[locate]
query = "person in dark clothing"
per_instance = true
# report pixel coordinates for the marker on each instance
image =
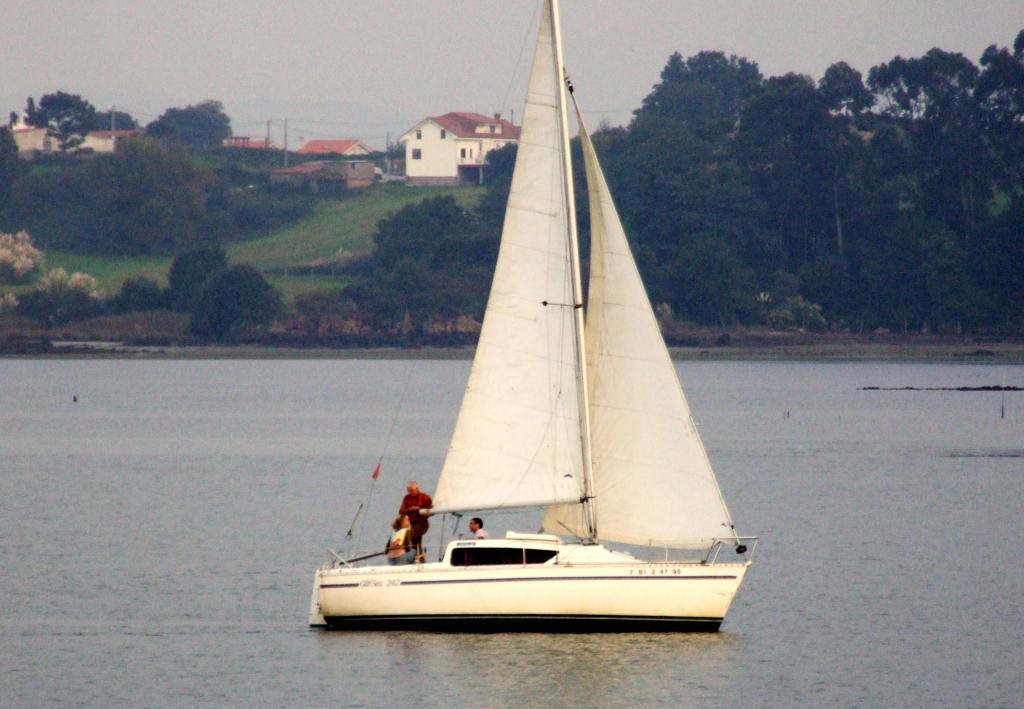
(416, 504)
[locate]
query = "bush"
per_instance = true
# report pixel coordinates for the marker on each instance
(140, 294)
(19, 259)
(235, 301)
(189, 272)
(62, 298)
(799, 312)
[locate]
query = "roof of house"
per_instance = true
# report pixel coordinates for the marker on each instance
(330, 146)
(464, 124)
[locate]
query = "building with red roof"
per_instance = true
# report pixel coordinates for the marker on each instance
(452, 149)
(348, 147)
(326, 175)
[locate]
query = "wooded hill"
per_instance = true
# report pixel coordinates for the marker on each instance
(844, 203)
(894, 200)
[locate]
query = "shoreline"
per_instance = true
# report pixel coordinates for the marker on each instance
(897, 350)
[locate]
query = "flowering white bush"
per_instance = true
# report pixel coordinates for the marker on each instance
(19, 259)
(58, 281)
(8, 303)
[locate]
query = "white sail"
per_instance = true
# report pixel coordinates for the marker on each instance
(653, 482)
(517, 439)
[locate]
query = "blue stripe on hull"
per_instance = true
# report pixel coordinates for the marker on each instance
(525, 623)
(560, 579)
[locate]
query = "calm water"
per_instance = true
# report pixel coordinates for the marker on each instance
(158, 539)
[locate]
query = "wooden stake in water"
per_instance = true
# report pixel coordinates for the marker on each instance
(1002, 398)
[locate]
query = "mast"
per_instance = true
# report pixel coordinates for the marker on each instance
(577, 280)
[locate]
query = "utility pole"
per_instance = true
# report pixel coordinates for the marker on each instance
(286, 142)
(267, 143)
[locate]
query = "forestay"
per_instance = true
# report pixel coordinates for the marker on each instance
(517, 439)
(653, 483)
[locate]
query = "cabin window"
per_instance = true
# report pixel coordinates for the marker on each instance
(444, 134)
(499, 556)
(419, 135)
(417, 154)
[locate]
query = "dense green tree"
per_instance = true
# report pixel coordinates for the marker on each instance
(140, 294)
(145, 198)
(10, 170)
(705, 93)
(843, 91)
(1000, 96)
(204, 125)
(189, 273)
(233, 302)
(786, 137)
(121, 121)
(931, 98)
(67, 117)
(432, 259)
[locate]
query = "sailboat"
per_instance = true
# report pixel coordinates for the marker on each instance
(579, 414)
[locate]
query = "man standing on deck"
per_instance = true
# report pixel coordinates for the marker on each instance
(416, 504)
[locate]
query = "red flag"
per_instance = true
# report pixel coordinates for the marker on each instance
(376, 472)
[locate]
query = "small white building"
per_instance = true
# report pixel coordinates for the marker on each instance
(105, 141)
(452, 149)
(32, 141)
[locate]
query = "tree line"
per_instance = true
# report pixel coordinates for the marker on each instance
(170, 187)
(895, 201)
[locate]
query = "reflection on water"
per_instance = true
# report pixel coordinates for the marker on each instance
(536, 669)
(158, 538)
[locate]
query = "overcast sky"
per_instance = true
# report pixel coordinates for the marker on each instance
(367, 68)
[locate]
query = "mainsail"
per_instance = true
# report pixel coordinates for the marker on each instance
(521, 438)
(653, 483)
(517, 439)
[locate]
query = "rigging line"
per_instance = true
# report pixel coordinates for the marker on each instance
(386, 448)
(519, 58)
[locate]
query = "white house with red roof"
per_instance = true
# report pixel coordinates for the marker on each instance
(348, 146)
(452, 149)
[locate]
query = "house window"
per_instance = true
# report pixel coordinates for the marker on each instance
(462, 153)
(419, 135)
(494, 129)
(417, 154)
(444, 134)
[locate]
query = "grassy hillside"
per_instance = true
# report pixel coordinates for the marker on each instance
(347, 224)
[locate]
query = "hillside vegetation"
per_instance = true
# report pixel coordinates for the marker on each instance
(335, 228)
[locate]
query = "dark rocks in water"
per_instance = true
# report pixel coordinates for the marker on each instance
(994, 387)
(976, 353)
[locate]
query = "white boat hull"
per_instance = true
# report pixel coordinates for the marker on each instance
(580, 598)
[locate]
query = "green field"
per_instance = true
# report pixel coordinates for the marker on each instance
(344, 225)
